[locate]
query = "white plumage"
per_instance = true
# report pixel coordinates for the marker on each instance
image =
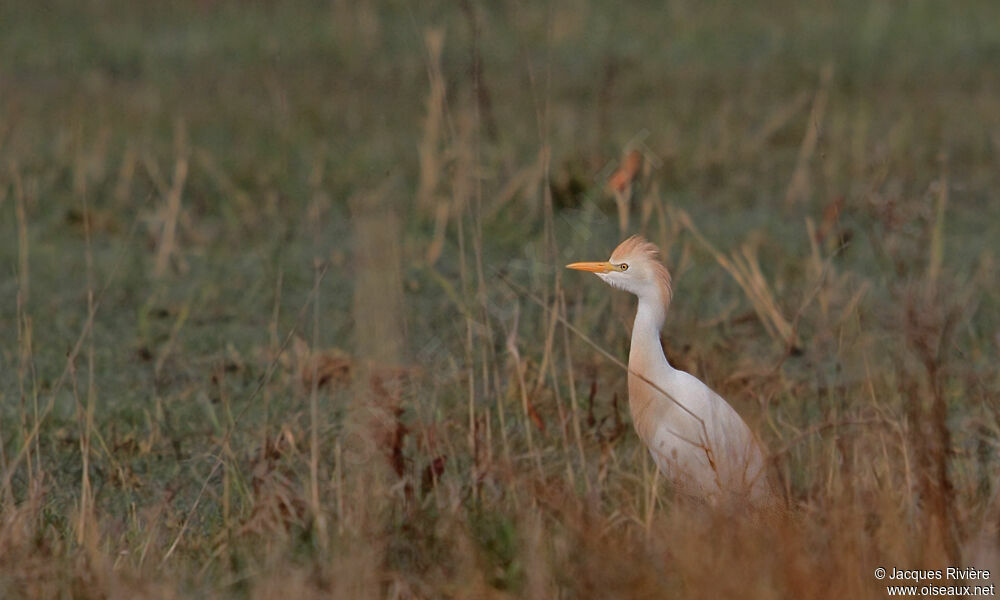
(696, 438)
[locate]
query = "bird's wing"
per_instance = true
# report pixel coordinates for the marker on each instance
(716, 450)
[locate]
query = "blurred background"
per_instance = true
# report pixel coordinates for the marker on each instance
(284, 307)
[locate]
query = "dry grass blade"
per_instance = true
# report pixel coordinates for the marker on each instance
(775, 123)
(430, 153)
(937, 233)
(745, 270)
(23, 273)
(798, 187)
(169, 216)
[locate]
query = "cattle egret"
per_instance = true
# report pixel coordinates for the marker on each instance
(695, 437)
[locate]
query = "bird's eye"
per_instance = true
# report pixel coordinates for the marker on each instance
(623, 267)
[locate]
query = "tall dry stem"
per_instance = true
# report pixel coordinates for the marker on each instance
(798, 187)
(171, 210)
(744, 267)
(430, 146)
(377, 310)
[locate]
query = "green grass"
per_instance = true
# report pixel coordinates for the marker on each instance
(299, 121)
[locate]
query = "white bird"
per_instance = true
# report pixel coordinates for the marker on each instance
(696, 438)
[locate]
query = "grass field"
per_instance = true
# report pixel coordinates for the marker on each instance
(284, 312)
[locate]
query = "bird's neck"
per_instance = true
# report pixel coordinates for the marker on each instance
(645, 356)
(646, 332)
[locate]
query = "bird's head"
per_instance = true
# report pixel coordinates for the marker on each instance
(635, 267)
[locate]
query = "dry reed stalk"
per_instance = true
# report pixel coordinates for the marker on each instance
(937, 233)
(539, 575)
(652, 485)
(525, 181)
(815, 264)
(372, 424)
(339, 481)
(551, 311)
(798, 187)
(86, 534)
(276, 311)
(744, 268)
(126, 173)
(436, 247)
(647, 206)
(227, 187)
(529, 413)
(24, 331)
(378, 296)
(775, 122)
(481, 90)
(463, 193)
(563, 417)
(468, 144)
(169, 216)
(23, 272)
(430, 152)
(318, 515)
(929, 323)
(574, 404)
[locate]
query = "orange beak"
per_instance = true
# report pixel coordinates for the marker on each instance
(592, 267)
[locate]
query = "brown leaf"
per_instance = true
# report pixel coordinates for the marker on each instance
(626, 173)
